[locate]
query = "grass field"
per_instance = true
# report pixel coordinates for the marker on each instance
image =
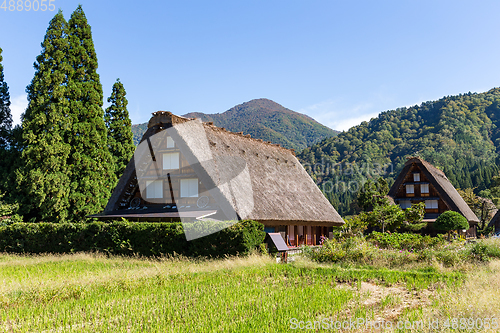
(95, 293)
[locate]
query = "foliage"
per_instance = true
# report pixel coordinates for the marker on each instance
(127, 238)
(451, 220)
(90, 163)
(484, 208)
(393, 217)
(44, 176)
(8, 212)
(138, 131)
(399, 250)
(353, 226)
(120, 136)
(5, 114)
(266, 120)
(66, 170)
(458, 134)
(6, 153)
(404, 241)
(493, 192)
(373, 194)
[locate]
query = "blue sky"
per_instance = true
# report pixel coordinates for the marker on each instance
(340, 62)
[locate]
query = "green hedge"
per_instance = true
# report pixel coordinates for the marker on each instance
(126, 238)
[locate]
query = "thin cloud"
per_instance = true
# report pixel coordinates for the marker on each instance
(337, 117)
(17, 107)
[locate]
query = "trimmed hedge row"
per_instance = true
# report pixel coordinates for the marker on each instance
(127, 238)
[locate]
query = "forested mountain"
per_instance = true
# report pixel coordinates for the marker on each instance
(458, 134)
(266, 120)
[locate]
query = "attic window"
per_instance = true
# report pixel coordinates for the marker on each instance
(416, 177)
(424, 188)
(170, 142)
(410, 189)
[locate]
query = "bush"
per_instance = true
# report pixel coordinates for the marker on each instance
(404, 241)
(146, 239)
(451, 220)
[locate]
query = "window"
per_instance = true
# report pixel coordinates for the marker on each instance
(424, 188)
(189, 188)
(431, 204)
(405, 204)
(154, 189)
(170, 142)
(416, 177)
(170, 161)
(410, 189)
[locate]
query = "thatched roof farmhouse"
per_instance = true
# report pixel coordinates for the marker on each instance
(420, 181)
(197, 170)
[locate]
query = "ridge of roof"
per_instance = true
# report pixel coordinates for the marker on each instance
(162, 117)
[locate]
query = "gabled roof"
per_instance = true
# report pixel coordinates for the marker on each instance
(494, 221)
(437, 178)
(283, 192)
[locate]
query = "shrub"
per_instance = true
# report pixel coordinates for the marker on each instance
(146, 239)
(404, 241)
(449, 221)
(484, 250)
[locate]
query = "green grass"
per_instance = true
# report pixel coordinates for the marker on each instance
(94, 293)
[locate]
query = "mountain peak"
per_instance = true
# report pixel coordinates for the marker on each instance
(265, 119)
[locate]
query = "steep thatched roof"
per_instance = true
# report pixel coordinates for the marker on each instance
(438, 179)
(283, 192)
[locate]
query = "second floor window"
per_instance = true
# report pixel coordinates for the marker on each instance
(170, 161)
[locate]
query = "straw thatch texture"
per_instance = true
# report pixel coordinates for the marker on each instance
(270, 186)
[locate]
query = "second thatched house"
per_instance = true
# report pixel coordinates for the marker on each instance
(188, 170)
(419, 181)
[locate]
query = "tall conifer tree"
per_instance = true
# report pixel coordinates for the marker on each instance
(5, 131)
(92, 172)
(44, 177)
(5, 115)
(120, 136)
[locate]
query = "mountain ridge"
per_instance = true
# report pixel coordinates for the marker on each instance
(458, 134)
(263, 119)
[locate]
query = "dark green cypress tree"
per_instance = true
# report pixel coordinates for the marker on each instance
(92, 171)
(44, 177)
(5, 115)
(5, 132)
(120, 136)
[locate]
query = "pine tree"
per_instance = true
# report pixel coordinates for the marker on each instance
(44, 177)
(5, 115)
(5, 132)
(120, 136)
(90, 162)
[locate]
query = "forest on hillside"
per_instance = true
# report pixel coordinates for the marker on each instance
(263, 119)
(458, 134)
